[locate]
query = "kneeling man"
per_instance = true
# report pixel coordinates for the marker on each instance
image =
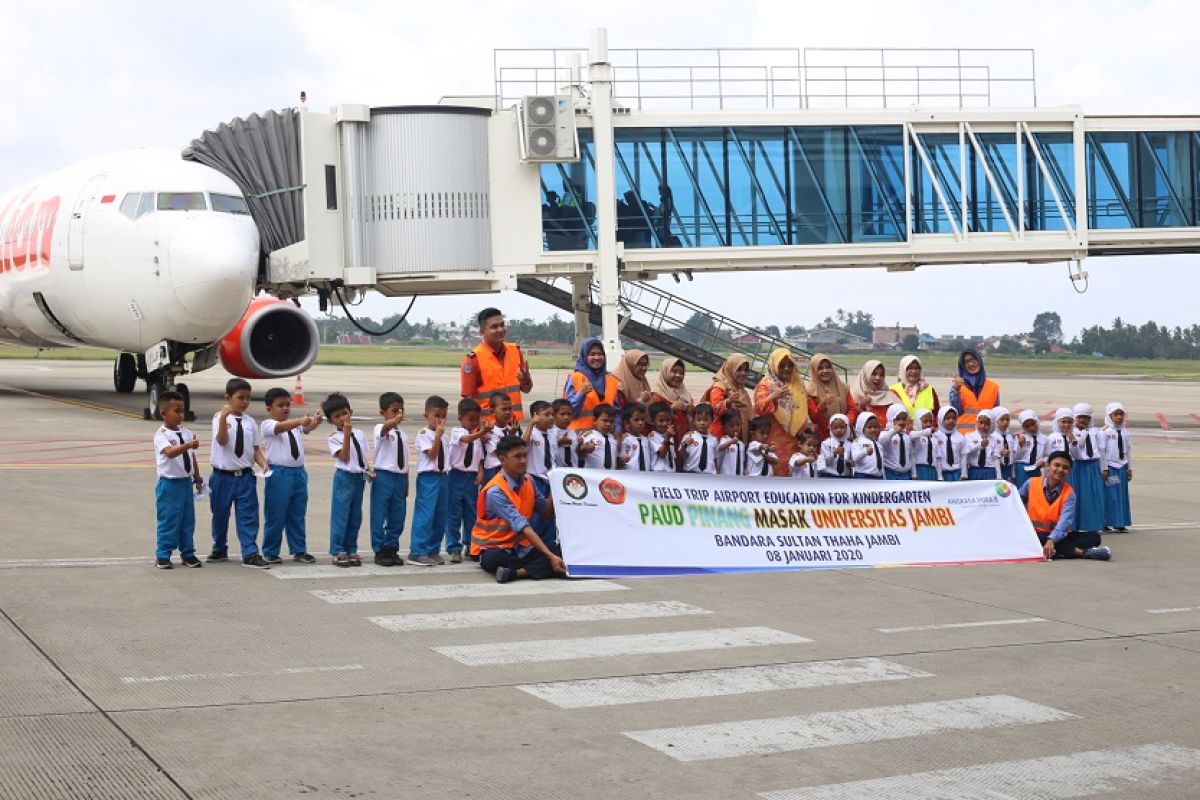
(503, 540)
(1050, 501)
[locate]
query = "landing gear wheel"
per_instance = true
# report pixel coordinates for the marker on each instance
(188, 414)
(154, 389)
(125, 373)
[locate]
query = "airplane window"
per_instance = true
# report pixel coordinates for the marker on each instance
(228, 204)
(129, 205)
(181, 201)
(146, 205)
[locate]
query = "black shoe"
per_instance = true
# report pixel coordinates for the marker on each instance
(193, 562)
(273, 559)
(256, 561)
(162, 563)
(305, 558)
(505, 574)
(218, 555)
(397, 561)
(384, 558)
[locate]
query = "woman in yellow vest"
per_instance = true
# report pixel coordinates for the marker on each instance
(590, 384)
(912, 390)
(1050, 501)
(972, 390)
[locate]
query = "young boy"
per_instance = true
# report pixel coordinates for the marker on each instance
(465, 474)
(235, 450)
(807, 462)
(565, 441)
(635, 447)
(539, 443)
(389, 490)
(429, 510)
(175, 456)
(731, 458)
(698, 450)
(500, 425)
(598, 447)
(285, 490)
(835, 451)
(760, 456)
(348, 446)
(662, 438)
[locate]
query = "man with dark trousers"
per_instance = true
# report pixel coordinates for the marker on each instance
(495, 365)
(1050, 501)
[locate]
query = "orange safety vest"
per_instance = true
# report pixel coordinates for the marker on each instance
(494, 531)
(1042, 514)
(989, 397)
(499, 376)
(584, 421)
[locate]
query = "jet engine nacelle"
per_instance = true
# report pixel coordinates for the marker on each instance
(274, 339)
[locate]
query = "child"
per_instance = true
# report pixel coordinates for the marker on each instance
(948, 445)
(1063, 435)
(835, 451)
(500, 425)
(389, 490)
(1118, 458)
(662, 438)
(565, 441)
(175, 455)
(635, 447)
(807, 462)
(348, 447)
(429, 509)
(1008, 443)
(540, 447)
(235, 449)
(921, 439)
(864, 450)
(1032, 448)
(895, 445)
(981, 450)
(698, 450)
(760, 456)
(1087, 450)
(731, 450)
(598, 446)
(465, 473)
(285, 490)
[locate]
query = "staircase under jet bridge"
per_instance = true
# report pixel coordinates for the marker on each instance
(667, 323)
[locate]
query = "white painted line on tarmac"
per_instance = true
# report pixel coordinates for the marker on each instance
(448, 591)
(505, 617)
(626, 645)
(833, 728)
(719, 682)
(985, 624)
(1171, 610)
(100, 561)
(322, 571)
(1064, 777)
(205, 676)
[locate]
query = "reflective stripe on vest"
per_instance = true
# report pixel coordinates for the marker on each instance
(499, 376)
(495, 531)
(584, 421)
(1044, 515)
(924, 399)
(988, 398)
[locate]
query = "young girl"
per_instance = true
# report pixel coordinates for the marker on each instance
(1061, 438)
(698, 450)
(921, 439)
(760, 455)
(894, 443)
(1008, 442)
(981, 451)
(835, 451)
(731, 458)
(948, 444)
(808, 463)
(864, 451)
(1119, 453)
(1032, 448)
(1086, 479)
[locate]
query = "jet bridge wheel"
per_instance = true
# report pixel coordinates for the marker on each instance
(125, 373)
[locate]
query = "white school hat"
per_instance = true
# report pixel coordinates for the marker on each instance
(987, 414)
(1083, 409)
(1063, 412)
(998, 412)
(1027, 415)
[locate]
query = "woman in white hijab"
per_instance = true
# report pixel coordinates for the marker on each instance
(870, 391)
(913, 390)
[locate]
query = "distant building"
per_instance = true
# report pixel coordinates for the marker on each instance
(353, 338)
(825, 338)
(747, 340)
(894, 336)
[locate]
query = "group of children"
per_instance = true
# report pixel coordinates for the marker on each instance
(453, 464)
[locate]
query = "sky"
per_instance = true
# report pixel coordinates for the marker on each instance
(83, 77)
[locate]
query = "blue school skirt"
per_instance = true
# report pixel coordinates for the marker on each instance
(1024, 473)
(1089, 495)
(1116, 498)
(951, 475)
(893, 475)
(927, 472)
(861, 476)
(981, 473)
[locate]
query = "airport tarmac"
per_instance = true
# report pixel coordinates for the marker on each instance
(1048, 680)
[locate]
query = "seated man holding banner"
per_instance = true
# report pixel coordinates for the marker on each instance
(503, 538)
(1050, 501)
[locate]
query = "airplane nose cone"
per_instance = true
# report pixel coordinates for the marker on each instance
(214, 263)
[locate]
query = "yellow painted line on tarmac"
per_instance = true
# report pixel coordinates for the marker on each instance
(1168, 458)
(68, 401)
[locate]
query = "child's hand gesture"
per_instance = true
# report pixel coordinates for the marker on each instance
(347, 426)
(587, 446)
(226, 410)
(486, 428)
(868, 449)
(193, 444)
(840, 450)
(564, 439)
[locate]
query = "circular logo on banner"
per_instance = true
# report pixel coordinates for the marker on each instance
(575, 486)
(1004, 488)
(613, 491)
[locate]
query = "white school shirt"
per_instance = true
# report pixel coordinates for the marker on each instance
(457, 450)
(665, 462)
(691, 456)
(866, 463)
(595, 459)
(565, 455)
(756, 461)
(1025, 452)
(352, 464)
(1010, 442)
(391, 453)
(921, 445)
(813, 469)
(637, 448)
(222, 455)
(1057, 442)
(1079, 449)
(947, 444)
(1118, 446)
(990, 446)
(172, 467)
(540, 443)
(732, 460)
(491, 460)
(278, 449)
(890, 444)
(831, 460)
(424, 445)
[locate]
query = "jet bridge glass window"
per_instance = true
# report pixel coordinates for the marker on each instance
(228, 204)
(181, 201)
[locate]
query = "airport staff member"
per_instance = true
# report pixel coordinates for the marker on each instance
(495, 366)
(1050, 502)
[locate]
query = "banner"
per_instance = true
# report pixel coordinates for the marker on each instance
(664, 523)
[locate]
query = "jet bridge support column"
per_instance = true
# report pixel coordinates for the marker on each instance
(606, 274)
(581, 301)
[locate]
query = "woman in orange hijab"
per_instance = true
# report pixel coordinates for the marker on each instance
(781, 396)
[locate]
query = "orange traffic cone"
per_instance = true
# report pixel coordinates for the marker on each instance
(298, 395)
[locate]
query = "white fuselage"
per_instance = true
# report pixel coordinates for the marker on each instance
(123, 252)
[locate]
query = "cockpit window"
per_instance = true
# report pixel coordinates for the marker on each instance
(181, 201)
(229, 204)
(146, 205)
(129, 204)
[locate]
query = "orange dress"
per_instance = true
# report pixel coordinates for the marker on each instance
(781, 441)
(718, 398)
(821, 422)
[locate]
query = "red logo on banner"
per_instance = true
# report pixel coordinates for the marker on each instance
(613, 491)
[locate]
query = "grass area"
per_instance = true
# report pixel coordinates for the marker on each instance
(936, 363)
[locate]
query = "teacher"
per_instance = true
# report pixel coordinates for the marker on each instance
(827, 395)
(728, 393)
(495, 365)
(913, 391)
(669, 389)
(781, 396)
(971, 390)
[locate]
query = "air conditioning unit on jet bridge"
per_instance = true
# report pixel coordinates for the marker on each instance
(546, 128)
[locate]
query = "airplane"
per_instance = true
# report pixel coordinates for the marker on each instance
(154, 257)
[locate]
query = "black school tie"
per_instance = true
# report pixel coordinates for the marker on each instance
(641, 443)
(766, 467)
(1120, 445)
(441, 457)
(469, 456)
(949, 450)
(358, 452)
(607, 452)
(929, 454)
(670, 455)
(239, 440)
(703, 453)
(982, 451)
(903, 453)
(187, 460)
(547, 459)
(841, 463)
(566, 448)
(1033, 452)
(1087, 437)
(741, 460)
(878, 458)
(401, 453)
(294, 445)
(812, 469)
(1006, 461)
